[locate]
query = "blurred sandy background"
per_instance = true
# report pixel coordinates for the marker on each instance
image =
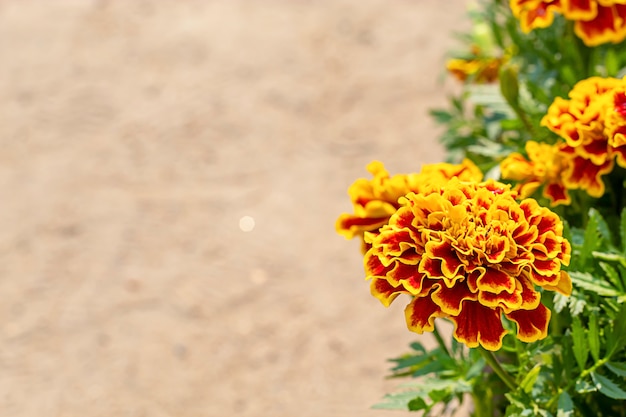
(135, 135)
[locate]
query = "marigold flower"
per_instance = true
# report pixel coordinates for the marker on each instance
(478, 70)
(615, 124)
(375, 200)
(596, 21)
(607, 25)
(545, 166)
(589, 150)
(534, 14)
(471, 253)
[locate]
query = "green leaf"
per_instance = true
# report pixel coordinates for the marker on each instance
(565, 405)
(591, 239)
(608, 256)
(602, 226)
(588, 282)
(616, 337)
(441, 116)
(622, 273)
(622, 230)
(608, 387)
(439, 395)
(576, 305)
(476, 369)
(580, 346)
(618, 368)
(418, 347)
(429, 368)
(612, 275)
(411, 361)
(594, 337)
(397, 401)
(529, 380)
(417, 404)
(560, 302)
(511, 124)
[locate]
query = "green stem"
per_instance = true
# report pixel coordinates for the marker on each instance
(492, 361)
(525, 120)
(442, 343)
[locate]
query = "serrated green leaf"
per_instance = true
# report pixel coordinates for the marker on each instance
(588, 282)
(565, 405)
(593, 335)
(618, 368)
(560, 302)
(602, 226)
(576, 306)
(579, 345)
(608, 387)
(612, 275)
(591, 239)
(608, 256)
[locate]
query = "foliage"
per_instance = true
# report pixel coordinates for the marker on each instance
(513, 78)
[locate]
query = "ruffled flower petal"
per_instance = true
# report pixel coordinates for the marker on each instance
(592, 122)
(606, 26)
(470, 253)
(595, 21)
(532, 325)
(450, 264)
(376, 199)
(479, 325)
(449, 300)
(563, 286)
(421, 314)
(545, 166)
(384, 291)
(534, 14)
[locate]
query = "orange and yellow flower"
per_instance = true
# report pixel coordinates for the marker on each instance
(592, 124)
(615, 124)
(534, 14)
(375, 200)
(478, 70)
(471, 253)
(596, 21)
(546, 166)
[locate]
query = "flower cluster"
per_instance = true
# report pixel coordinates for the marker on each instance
(471, 253)
(591, 126)
(536, 294)
(376, 199)
(595, 21)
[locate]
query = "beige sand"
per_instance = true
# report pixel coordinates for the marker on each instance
(135, 137)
